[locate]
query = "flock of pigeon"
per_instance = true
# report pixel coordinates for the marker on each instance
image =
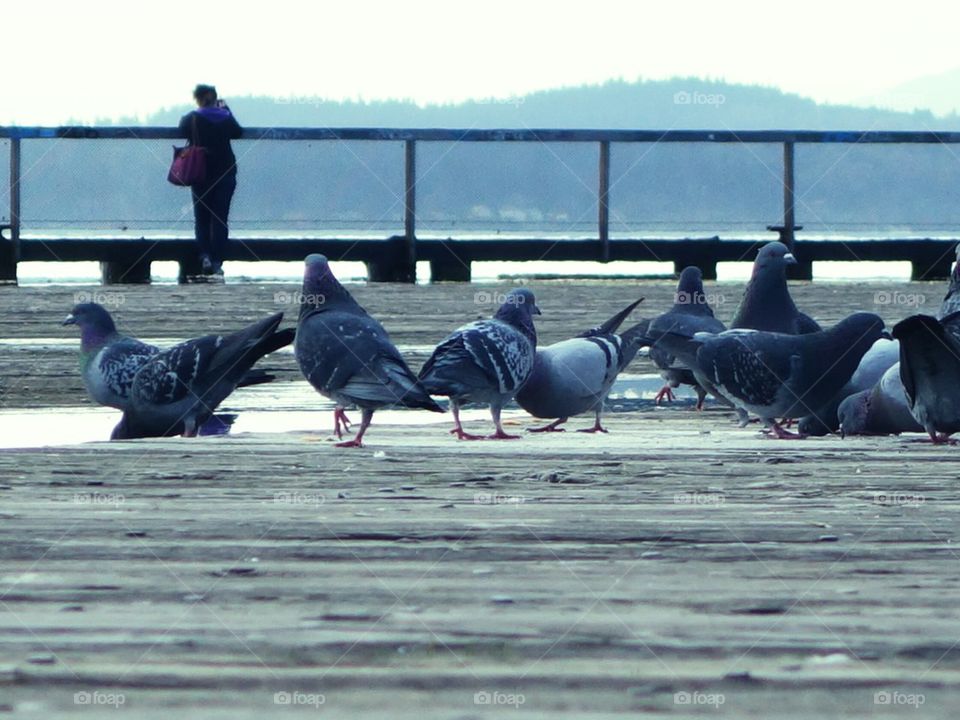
(774, 362)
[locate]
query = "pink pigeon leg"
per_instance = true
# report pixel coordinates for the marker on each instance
(665, 392)
(499, 434)
(365, 417)
(458, 427)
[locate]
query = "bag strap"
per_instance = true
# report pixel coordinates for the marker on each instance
(195, 140)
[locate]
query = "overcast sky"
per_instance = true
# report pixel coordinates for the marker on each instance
(105, 58)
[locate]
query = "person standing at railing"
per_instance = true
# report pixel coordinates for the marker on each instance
(212, 126)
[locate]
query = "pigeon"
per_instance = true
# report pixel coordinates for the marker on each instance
(884, 354)
(109, 361)
(177, 390)
(691, 313)
(776, 375)
(574, 376)
(951, 301)
(347, 356)
(486, 361)
(930, 371)
(880, 410)
(766, 303)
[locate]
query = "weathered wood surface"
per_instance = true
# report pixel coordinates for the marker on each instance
(677, 558)
(36, 374)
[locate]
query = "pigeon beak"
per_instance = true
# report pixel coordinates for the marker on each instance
(789, 259)
(536, 310)
(886, 335)
(70, 320)
(843, 435)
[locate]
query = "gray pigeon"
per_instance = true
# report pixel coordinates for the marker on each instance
(951, 301)
(775, 375)
(487, 361)
(575, 376)
(691, 313)
(880, 410)
(177, 390)
(930, 371)
(766, 303)
(347, 356)
(884, 354)
(108, 360)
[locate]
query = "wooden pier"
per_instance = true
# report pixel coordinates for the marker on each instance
(678, 567)
(393, 259)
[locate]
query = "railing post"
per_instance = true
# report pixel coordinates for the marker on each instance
(410, 200)
(788, 199)
(10, 249)
(603, 196)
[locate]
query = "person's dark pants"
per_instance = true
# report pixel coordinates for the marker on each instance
(211, 207)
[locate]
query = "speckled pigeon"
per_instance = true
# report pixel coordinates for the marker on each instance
(574, 376)
(108, 360)
(766, 303)
(775, 375)
(177, 390)
(884, 354)
(930, 371)
(347, 356)
(486, 361)
(691, 313)
(880, 410)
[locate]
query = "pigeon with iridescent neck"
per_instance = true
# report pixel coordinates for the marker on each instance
(347, 356)
(766, 303)
(109, 360)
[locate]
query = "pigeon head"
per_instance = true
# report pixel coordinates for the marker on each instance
(690, 297)
(773, 258)
(853, 412)
(518, 309)
(321, 290)
(96, 325)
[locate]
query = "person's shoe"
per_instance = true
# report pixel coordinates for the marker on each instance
(206, 265)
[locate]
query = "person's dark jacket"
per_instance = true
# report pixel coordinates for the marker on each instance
(216, 126)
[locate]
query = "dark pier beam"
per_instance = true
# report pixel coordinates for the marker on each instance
(393, 264)
(932, 267)
(134, 271)
(10, 236)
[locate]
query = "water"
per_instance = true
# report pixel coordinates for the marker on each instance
(272, 408)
